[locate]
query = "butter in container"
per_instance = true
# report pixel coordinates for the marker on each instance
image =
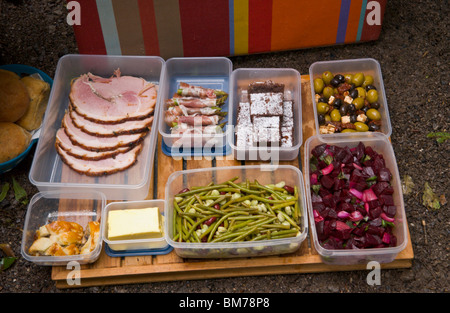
(134, 225)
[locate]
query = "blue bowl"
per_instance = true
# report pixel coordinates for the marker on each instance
(21, 69)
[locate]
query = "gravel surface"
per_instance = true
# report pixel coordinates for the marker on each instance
(413, 51)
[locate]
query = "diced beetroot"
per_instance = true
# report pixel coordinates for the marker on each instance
(390, 210)
(319, 228)
(345, 206)
(317, 216)
(372, 240)
(375, 230)
(375, 212)
(378, 188)
(376, 221)
(316, 198)
(358, 231)
(318, 206)
(373, 204)
(358, 151)
(360, 186)
(318, 150)
(367, 172)
(384, 174)
(327, 181)
(387, 199)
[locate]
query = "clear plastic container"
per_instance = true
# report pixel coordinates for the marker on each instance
(380, 144)
(240, 79)
(264, 174)
(44, 208)
(48, 172)
(208, 72)
(367, 66)
(134, 244)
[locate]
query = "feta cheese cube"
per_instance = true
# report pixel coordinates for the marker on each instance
(331, 100)
(348, 99)
(361, 118)
(345, 119)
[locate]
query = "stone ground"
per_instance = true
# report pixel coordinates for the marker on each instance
(413, 51)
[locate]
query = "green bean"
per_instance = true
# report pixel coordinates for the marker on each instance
(210, 209)
(283, 205)
(196, 191)
(253, 229)
(244, 189)
(220, 222)
(289, 220)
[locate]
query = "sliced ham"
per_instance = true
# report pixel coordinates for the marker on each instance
(113, 100)
(94, 143)
(64, 142)
(182, 110)
(110, 130)
(196, 91)
(101, 167)
(194, 120)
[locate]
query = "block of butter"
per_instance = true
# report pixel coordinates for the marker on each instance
(134, 224)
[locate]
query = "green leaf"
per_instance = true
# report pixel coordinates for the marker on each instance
(440, 136)
(4, 192)
(316, 188)
(6, 262)
(429, 198)
(19, 192)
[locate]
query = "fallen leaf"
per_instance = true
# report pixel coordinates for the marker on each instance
(19, 192)
(5, 263)
(407, 184)
(4, 192)
(429, 198)
(440, 136)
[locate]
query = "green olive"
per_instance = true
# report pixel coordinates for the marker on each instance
(348, 78)
(361, 92)
(318, 85)
(327, 77)
(361, 127)
(348, 130)
(327, 118)
(358, 103)
(328, 92)
(358, 79)
(368, 80)
(373, 114)
(372, 96)
(322, 108)
(335, 115)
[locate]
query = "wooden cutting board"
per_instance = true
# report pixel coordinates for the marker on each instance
(170, 267)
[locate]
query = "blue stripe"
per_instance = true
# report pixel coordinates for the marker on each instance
(361, 20)
(231, 25)
(109, 28)
(343, 19)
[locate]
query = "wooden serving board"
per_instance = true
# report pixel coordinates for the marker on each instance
(170, 267)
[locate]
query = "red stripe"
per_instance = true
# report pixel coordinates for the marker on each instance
(372, 32)
(259, 26)
(149, 30)
(89, 34)
(205, 27)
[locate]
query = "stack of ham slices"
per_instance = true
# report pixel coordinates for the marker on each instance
(103, 129)
(195, 110)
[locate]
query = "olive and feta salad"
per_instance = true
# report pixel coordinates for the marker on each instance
(352, 197)
(346, 103)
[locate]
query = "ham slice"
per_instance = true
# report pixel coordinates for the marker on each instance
(64, 142)
(192, 102)
(101, 167)
(196, 91)
(113, 100)
(94, 143)
(110, 130)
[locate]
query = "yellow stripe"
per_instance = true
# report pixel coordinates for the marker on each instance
(240, 26)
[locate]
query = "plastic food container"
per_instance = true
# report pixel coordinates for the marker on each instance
(135, 244)
(209, 72)
(240, 79)
(367, 66)
(23, 70)
(48, 172)
(380, 144)
(49, 206)
(265, 174)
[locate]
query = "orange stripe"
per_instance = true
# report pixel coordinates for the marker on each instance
(129, 27)
(353, 21)
(313, 23)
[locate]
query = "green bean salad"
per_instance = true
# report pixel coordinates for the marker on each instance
(236, 212)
